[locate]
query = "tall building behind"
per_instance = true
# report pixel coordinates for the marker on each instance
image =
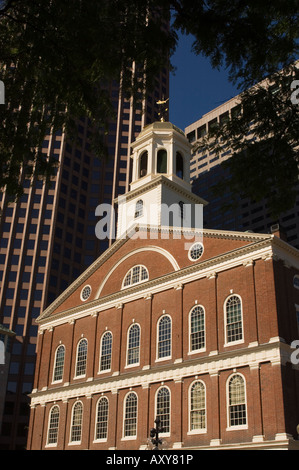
(206, 171)
(47, 238)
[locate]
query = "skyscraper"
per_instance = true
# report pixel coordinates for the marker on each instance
(206, 171)
(47, 238)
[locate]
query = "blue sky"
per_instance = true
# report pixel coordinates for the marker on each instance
(196, 88)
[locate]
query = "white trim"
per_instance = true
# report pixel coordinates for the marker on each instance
(164, 434)
(49, 418)
(238, 341)
(81, 294)
(196, 431)
(100, 371)
(74, 443)
(54, 365)
(129, 438)
(82, 375)
(127, 346)
(157, 249)
(195, 351)
(243, 426)
(271, 352)
(191, 248)
(164, 358)
(95, 440)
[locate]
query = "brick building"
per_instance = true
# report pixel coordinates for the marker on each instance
(191, 326)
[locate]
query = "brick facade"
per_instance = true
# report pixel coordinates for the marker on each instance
(257, 269)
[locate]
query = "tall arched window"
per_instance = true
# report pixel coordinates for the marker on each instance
(81, 358)
(106, 351)
(143, 164)
(197, 328)
(102, 419)
(233, 317)
(77, 419)
(197, 406)
(237, 401)
(130, 415)
(162, 161)
(163, 408)
(138, 209)
(164, 337)
(59, 364)
(179, 165)
(133, 344)
(52, 438)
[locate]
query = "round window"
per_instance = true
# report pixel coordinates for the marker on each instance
(195, 251)
(85, 293)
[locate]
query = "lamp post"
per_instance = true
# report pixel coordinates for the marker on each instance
(154, 434)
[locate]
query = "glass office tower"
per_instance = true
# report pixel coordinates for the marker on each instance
(47, 238)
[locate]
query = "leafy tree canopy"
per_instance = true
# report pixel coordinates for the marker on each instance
(57, 58)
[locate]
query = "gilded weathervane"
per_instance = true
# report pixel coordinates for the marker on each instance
(163, 109)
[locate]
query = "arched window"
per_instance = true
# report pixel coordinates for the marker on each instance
(179, 165)
(164, 337)
(106, 351)
(136, 275)
(77, 419)
(133, 344)
(197, 328)
(59, 363)
(81, 358)
(102, 419)
(163, 408)
(237, 401)
(162, 161)
(130, 415)
(143, 164)
(52, 438)
(197, 406)
(234, 323)
(138, 209)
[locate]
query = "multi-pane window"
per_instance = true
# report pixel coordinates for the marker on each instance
(53, 426)
(106, 351)
(164, 337)
(234, 327)
(135, 275)
(130, 415)
(237, 401)
(59, 363)
(197, 328)
(163, 408)
(133, 344)
(102, 419)
(197, 407)
(77, 418)
(138, 209)
(81, 358)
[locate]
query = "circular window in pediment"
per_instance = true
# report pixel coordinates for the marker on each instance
(195, 251)
(85, 293)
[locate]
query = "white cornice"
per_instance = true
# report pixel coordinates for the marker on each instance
(252, 357)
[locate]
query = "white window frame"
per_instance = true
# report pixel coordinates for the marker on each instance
(240, 426)
(140, 266)
(202, 430)
(191, 248)
(81, 375)
(163, 434)
(195, 351)
(103, 371)
(127, 349)
(165, 358)
(54, 368)
(81, 294)
(133, 437)
(76, 443)
(238, 341)
(96, 421)
(53, 444)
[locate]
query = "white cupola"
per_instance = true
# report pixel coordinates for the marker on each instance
(160, 180)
